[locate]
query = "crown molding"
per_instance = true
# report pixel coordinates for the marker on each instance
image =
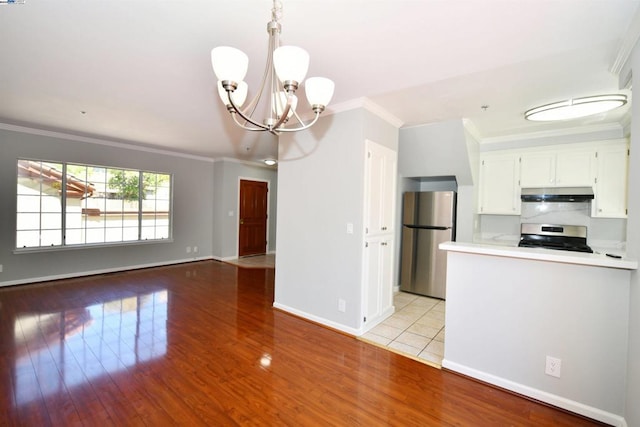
(579, 130)
(627, 44)
(98, 141)
(368, 105)
(245, 162)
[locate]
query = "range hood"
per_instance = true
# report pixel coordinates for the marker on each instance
(557, 194)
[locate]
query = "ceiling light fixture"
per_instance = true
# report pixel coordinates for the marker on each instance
(270, 162)
(576, 108)
(285, 70)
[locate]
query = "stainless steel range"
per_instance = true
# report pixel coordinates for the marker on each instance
(563, 237)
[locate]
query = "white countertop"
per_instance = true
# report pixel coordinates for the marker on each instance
(540, 254)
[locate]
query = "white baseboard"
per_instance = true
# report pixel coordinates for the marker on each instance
(543, 396)
(316, 319)
(101, 271)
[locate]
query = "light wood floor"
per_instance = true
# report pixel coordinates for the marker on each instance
(200, 344)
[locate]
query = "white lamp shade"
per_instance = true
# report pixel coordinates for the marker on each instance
(319, 90)
(229, 63)
(280, 102)
(239, 95)
(291, 63)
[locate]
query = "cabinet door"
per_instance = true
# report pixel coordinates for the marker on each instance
(611, 183)
(575, 168)
(499, 187)
(537, 169)
(380, 188)
(378, 279)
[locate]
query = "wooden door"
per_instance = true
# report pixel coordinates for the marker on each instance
(252, 234)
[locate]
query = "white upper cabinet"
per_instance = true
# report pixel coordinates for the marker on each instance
(499, 188)
(575, 168)
(557, 168)
(611, 182)
(537, 170)
(601, 165)
(380, 188)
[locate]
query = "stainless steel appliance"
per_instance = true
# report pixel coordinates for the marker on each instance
(428, 219)
(557, 194)
(564, 237)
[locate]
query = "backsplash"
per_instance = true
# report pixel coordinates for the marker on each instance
(602, 233)
(556, 213)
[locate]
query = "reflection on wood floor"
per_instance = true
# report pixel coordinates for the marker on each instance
(200, 344)
(255, 261)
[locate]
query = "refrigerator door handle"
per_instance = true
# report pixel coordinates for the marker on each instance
(426, 227)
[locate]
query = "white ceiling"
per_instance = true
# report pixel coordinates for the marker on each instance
(141, 71)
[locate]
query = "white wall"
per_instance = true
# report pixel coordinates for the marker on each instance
(632, 413)
(505, 315)
(320, 191)
(192, 206)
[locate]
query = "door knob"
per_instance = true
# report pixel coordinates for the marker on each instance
(242, 221)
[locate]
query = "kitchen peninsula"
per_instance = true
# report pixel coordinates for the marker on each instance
(510, 308)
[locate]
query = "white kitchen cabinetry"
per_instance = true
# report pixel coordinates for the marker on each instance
(378, 277)
(611, 182)
(379, 207)
(380, 188)
(537, 170)
(575, 168)
(499, 187)
(563, 168)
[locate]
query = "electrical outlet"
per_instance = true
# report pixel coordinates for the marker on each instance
(342, 305)
(0, 268)
(553, 366)
(195, 249)
(188, 249)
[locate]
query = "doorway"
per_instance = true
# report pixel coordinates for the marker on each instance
(252, 231)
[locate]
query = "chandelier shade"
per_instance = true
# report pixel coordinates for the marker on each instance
(229, 63)
(576, 108)
(284, 74)
(319, 90)
(291, 63)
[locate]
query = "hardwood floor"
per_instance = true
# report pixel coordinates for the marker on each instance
(200, 344)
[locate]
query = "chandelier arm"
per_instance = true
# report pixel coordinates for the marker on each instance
(236, 110)
(285, 113)
(303, 127)
(244, 125)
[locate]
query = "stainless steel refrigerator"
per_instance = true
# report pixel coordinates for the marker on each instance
(428, 219)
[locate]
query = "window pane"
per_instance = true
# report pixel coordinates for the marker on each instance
(74, 236)
(130, 233)
(28, 221)
(27, 239)
(102, 204)
(39, 207)
(50, 238)
(95, 235)
(51, 221)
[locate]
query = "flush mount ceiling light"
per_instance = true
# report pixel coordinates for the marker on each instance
(575, 108)
(270, 162)
(285, 70)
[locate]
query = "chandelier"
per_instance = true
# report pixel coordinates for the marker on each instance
(284, 72)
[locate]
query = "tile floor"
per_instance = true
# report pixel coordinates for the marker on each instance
(415, 329)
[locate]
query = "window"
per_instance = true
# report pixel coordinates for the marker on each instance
(67, 204)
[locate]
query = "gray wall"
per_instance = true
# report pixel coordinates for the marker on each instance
(192, 207)
(320, 191)
(441, 150)
(226, 192)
